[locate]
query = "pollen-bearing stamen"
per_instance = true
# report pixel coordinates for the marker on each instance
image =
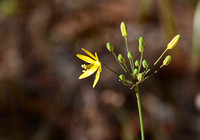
(83, 66)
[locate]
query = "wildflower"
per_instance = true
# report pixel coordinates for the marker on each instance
(89, 69)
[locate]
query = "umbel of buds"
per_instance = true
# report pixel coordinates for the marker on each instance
(139, 68)
(137, 74)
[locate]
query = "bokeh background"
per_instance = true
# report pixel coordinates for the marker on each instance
(41, 97)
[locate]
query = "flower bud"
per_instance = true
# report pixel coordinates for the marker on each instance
(140, 77)
(135, 71)
(141, 48)
(145, 64)
(130, 55)
(167, 60)
(124, 29)
(173, 42)
(141, 41)
(122, 78)
(121, 58)
(137, 63)
(110, 47)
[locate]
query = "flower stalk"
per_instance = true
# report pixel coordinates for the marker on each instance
(139, 111)
(119, 62)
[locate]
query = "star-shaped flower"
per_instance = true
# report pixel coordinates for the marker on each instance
(89, 69)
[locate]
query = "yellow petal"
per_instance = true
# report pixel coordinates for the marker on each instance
(97, 77)
(88, 72)
(96, 57)
(85, 58)
(89, 53)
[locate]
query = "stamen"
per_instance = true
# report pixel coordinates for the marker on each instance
(84, 70)
(83, 66)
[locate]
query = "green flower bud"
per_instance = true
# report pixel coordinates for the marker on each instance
(141, 41)
(135, 71)
(122, 78)
(140, 77)
(121, 58)
(141, 44)
(141, 48)
(130, 55)
(145, 64)
(137, 63)
(124, 29)
(110, 47)
(173, 42)
(167, 60)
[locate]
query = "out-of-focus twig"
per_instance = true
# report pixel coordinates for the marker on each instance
(195, 44)
(167, 17)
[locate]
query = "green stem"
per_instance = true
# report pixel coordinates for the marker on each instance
(131, 61)
(126, 67)
(140, 62)
(161, 56)
(126, 44)
(126, 84)
(128, 72)
(110, 69)
(157, 60)
(132, 65)
(154, 73)
(119, 62)
(140, 111)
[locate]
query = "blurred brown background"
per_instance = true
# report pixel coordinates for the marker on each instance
(41, 97)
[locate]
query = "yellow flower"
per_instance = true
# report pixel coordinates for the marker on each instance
(89, 69)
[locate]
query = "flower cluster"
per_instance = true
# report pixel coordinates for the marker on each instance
(131, 77)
